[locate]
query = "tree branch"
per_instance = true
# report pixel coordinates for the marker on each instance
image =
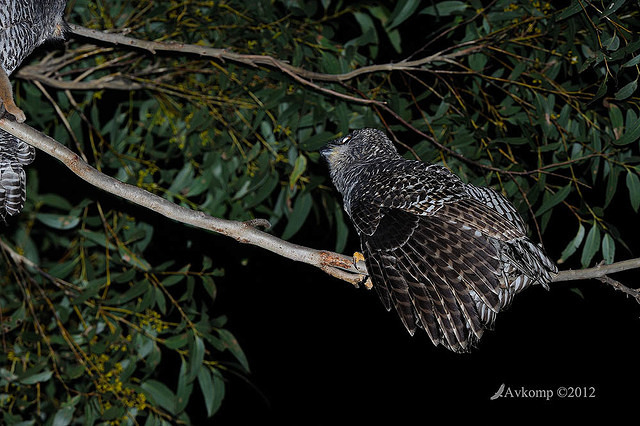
(445, 55)
(335, 264)
(597, 271)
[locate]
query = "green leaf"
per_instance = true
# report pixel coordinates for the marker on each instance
(89, 291)
(342, 230)
(627, 90)
(175, 278)
(301, 209)
(299, 167)
(403, 10)
(551, 201)
(15, 320)
(58, 221)
(617, 120)
(213, 390)
(477, 61)
(64, 416)
(574, 8)
(591, 245)
(632, 130)
(368, 28)
(633, 185)
(577, 291)
(316, 141)
(573, 244)
(632, 62)
(185, 387)
(210, 286)
(97, 237)
(178, 341)
(208, 392)
(132, 258)
(196, 357)
(56, 201)
(232, 344)
(611, 43)
(612, 184)
(608, 248)
(182, 179)
(138, 289)
(160, 395)
(395, 39)
(32, 379)
(445, 8)
(602, 90)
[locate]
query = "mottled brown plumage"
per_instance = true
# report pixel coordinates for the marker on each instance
(448, 255)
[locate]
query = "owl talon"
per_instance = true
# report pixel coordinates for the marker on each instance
(358, 257)
(366, 282)
(16, 112)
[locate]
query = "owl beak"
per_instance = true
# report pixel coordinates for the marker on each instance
(326, 151)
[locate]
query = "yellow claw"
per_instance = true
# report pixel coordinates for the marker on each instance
(358, 257)
(366, 282)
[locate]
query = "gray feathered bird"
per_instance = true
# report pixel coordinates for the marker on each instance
(447, 254)
(24, 25)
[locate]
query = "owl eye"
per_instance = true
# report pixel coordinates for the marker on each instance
(344, 140)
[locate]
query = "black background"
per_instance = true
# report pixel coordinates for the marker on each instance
(322, 351)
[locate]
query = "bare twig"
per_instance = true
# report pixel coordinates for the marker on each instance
(265, 60)
(633, 292)
(601, 273)
(597, 271)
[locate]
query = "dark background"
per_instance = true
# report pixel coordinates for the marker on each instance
(322, 351)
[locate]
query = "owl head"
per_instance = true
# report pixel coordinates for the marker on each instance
(352, 154)
(359, 146)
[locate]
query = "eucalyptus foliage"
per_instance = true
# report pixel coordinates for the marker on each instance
(539, 103)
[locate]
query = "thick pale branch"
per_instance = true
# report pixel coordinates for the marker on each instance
(335, 264)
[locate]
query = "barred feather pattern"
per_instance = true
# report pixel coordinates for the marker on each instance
(24, 25)
(14, 155)
(448, 256)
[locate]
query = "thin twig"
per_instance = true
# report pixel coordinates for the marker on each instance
(265, 60)
(633, 292)
(597, 271)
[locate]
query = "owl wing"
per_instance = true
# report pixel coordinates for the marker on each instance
(448, 269)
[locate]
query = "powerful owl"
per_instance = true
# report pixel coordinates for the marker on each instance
(24, 25)
(448, 255)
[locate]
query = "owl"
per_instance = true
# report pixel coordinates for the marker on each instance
(448, 255)
(24, 25)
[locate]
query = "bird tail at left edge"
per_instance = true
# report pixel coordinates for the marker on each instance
(14, 155)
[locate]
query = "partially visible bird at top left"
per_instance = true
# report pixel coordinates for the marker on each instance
(24, 25)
